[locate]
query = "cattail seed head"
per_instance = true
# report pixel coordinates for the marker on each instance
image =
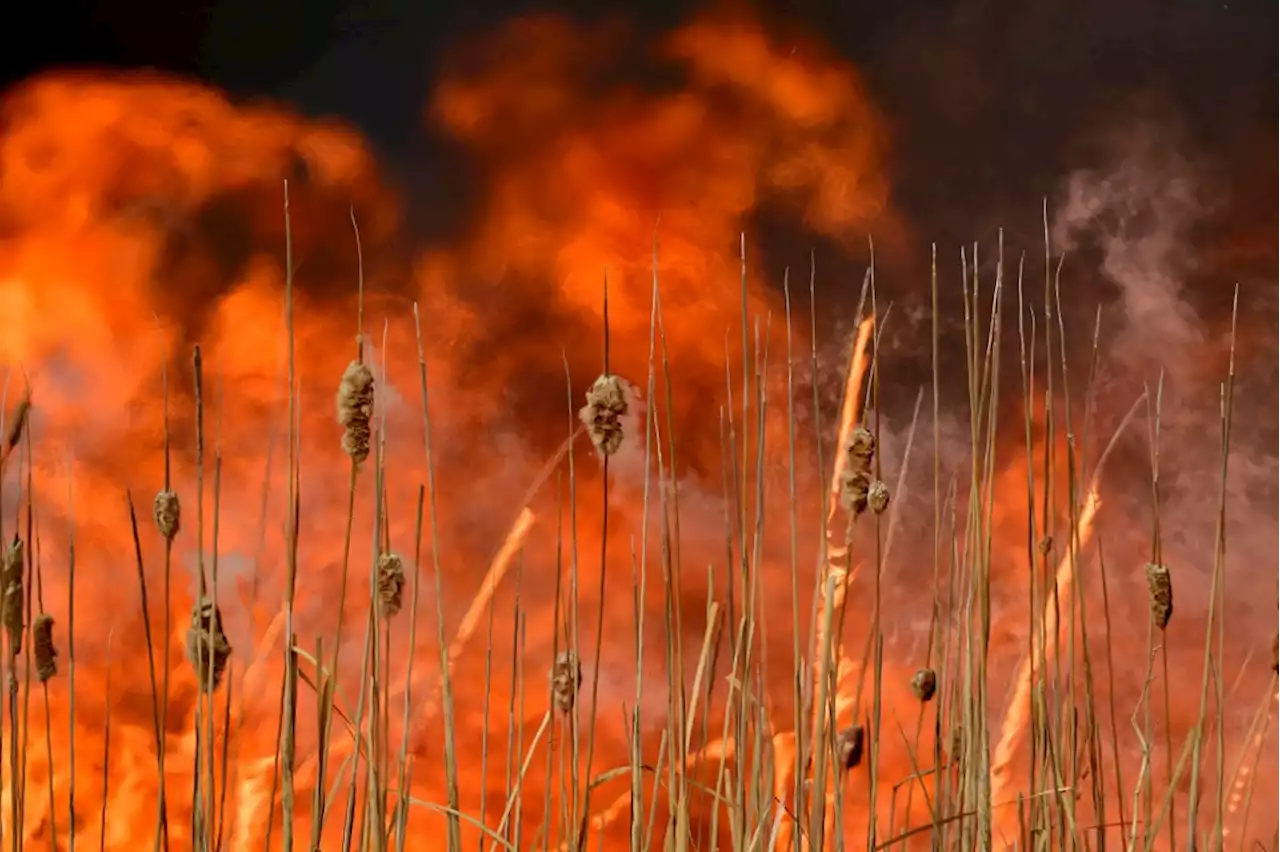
(11, 610)
(168, 514)
(849, 746)
(862, 447)
(603, 413)
(355, 410)
(207, 647)
(924, 683)
(855, 490)
(566, 679)
(1275, 653)
(390, 583)
(878, 497)
(1160, 593)
(42, 643)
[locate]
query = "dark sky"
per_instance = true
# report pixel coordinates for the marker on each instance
(991, 100)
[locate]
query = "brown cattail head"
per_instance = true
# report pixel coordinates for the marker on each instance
(42, 643)
(355, 410)
(603, 413)
(862, 448)
(878, 497)
(11, 611)
(1160, 591)
(849, 746)
(168, 514)
(924, 683)
(390, 584)
(207, 647)
(1275, 653)
(855, 485)
(566, 679)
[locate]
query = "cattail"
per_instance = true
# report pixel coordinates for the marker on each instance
(862, 447)
(207, 647)
(168, 514)
(849, 746)
(1160, 591)
(924, 683)
(855, 485)
(878, 497)
(390, 583)
(11, 611)
(855, 480)
(355, 409)
(1275, 653)
(603, 413)
(42, 643)
(566, 678)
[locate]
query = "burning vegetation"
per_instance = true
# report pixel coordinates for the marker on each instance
(384, 690)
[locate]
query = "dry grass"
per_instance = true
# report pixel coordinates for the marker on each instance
(732, 768)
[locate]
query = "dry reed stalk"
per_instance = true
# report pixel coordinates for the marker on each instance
(106, 746)
(471, 619)
(162, 708)
(46, 653)
(849, 448)
(1246, 775)
(606, 406)
(1160, 593)
(784, 743)
(405, 760)
(849, 409)
(480, 603)
(162, 820)
(492, 579)
(71, 656)
(319, 800)
(1015, 720)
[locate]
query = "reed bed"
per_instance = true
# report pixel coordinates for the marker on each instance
(726, 767)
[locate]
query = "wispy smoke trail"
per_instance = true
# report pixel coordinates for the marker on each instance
(1138, 209)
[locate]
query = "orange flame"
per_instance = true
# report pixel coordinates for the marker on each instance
(141, 214)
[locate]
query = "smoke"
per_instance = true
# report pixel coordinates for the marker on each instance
(591, 147)
(1138, 207)
(1139, 227)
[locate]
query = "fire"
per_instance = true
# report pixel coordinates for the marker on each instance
(142, 215)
